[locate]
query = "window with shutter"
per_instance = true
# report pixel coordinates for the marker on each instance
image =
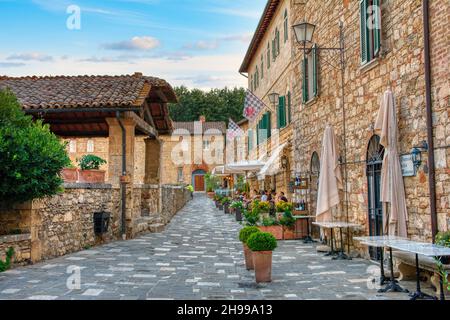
(363, 30)
(289, 107)
(370, 29)
(314, 56)
(305, 80)
(282, 112)
(286, 28)
(268, 55)
(268, 124)
(262, 66)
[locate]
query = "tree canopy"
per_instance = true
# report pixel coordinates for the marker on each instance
(31, 157)
(215, 105)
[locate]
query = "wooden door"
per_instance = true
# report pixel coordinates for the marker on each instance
(199, 182)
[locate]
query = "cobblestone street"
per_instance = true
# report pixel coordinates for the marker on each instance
(198, 256)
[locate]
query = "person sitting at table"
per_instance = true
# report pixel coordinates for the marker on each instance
(264, 196)
(282, 197)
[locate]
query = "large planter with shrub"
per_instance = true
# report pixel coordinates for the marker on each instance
(288, 233)
(244, 234)
(262, 244)
(276, 231)
(90, 169)
(69, 175)
(91, 176)
(238, 207)
(288, 223)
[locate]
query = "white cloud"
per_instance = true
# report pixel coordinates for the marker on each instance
(136, 43)
(30, 56)
(202, 45)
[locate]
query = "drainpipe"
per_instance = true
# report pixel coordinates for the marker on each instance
(123, 185)
(429, 110)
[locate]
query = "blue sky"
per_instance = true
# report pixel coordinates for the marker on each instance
(198, 43)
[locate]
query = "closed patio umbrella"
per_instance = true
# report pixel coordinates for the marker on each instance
(392, 186)
(330, 179)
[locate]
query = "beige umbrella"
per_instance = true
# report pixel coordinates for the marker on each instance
(330, 179)
(392, 186)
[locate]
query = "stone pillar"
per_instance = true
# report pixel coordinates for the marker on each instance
(115, 163)
(152, 161)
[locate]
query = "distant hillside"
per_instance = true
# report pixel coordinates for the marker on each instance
(216, 104)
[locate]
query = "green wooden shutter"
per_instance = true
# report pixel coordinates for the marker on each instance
(305, 80)
(273, 50)
(364, 31)
(377, 30)
(315, 71)
(289, 107)
(282, 112)
(269, 124)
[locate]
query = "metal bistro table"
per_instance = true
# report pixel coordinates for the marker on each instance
(427, 250)
(308, 238)
(338, 225)
(384, 242)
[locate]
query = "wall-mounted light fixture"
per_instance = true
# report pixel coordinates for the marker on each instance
(416, 154)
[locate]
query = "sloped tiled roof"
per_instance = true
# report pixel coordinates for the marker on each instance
(189, 126)
(63, 92)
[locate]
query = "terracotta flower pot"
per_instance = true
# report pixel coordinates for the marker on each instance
(69, 175)
(263, 266)
(288, 233)
(248, 254)
(91, 176)
(276, 231)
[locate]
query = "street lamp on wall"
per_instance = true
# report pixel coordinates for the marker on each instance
(273, 98)
(416, 154)
(304, 32)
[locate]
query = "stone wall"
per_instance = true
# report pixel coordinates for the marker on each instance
(62, 224)
(401, 66)
(22, 247)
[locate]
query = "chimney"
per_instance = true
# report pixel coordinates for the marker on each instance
(138, 74)
(202, 119)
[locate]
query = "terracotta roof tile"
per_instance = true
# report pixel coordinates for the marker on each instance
(62, 92)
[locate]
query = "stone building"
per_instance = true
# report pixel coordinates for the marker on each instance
(118, 118)
(270, 71)
(375, 60)
(191, 151)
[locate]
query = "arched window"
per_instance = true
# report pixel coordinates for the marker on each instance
(375, 151)
(315, 164)
(286, 28)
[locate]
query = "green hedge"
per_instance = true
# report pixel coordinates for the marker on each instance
(246, 232)
(31, 157)
(262, 241)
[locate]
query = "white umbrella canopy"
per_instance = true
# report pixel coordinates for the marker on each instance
(245, 166)
(392, 186)
(330, 179)
(272, 166)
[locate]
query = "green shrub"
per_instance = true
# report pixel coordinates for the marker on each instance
(284, 206)
(262, 241)
(246, 232)
(251, 218)
(90, 162)
(31, 157)
(264, 206)
(5, 265)
(443, 239)
(269, 222)
(237, 205)
(287, 220)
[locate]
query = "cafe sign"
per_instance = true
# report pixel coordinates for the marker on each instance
(408, 167)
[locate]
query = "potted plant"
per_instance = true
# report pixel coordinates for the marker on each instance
(288, 223)
(262, 244)
(443, 239)
(70, 174)
(272, 226)
(264, 208)
(251, 217)
(90, 169)
(226, 205)
(212, 183)
(244, 234)
(282, 207)
(217, 199)
(238, 207)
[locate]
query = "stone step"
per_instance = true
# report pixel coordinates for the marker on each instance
(156, 227)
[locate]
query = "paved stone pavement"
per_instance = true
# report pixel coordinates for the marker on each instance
(198, 256)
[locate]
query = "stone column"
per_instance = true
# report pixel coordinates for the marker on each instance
(115, 163)
(152, 161)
